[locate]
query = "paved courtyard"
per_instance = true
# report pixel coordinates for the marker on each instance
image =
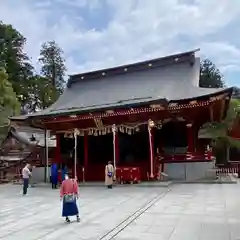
(183, 212)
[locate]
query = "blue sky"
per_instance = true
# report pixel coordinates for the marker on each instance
(104, 33)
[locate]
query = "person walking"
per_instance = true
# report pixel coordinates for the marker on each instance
(109, 174)
(26, 174)
(54, 175)
(69, 194)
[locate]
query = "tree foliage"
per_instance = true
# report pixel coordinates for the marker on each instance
(210, 76)
(53, 64)
(34, 91)
(220, 129)
(219, 133)
(41, 93)
(9, 104)
(14, 60)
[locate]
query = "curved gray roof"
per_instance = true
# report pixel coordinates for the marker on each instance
(32, 136)
(169, 79)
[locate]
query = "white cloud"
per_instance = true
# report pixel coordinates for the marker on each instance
(136, 30)
(227, 56)
(80, 3)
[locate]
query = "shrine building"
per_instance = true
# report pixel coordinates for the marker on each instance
(144, 117)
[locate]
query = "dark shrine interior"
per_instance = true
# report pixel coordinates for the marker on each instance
(172, 137)
(133, 148)
(100, 149)
(67, 150)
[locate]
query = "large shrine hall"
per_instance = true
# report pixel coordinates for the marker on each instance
(144, 117)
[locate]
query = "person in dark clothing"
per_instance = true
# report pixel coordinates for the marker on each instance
(54, 175)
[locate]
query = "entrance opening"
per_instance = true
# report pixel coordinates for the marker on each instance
(172, 137)
(68, 153)
(134, 149)
(100, 149)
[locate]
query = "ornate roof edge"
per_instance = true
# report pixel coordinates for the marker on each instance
(27, 119)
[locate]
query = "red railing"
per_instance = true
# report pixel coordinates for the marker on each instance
(124, 174)
(187, 157)
(128, 174)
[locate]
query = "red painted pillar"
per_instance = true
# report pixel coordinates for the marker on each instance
(190, 138)
(85, 155)
(57, 157)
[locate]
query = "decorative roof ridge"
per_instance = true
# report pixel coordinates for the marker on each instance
(133, 67)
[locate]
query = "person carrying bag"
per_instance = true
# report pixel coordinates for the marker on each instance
(69, 194)
(109, 174)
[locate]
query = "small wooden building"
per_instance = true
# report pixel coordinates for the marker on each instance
(23, 145)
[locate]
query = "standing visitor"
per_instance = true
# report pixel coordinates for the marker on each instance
(54, 175)
(26, 173)
(69, 195)
(109, 174)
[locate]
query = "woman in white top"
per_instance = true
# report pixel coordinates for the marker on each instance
(26, 173)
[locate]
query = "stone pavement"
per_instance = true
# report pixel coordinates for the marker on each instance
(185, 212)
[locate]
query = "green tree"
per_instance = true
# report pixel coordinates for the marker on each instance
(9, 104)
(53, 64)
(41, 93)
(219, 132)
(14, 60)
(210, 76)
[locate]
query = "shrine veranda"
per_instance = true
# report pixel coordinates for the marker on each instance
(144, 117)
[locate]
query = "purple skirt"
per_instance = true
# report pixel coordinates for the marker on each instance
(69, 209)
